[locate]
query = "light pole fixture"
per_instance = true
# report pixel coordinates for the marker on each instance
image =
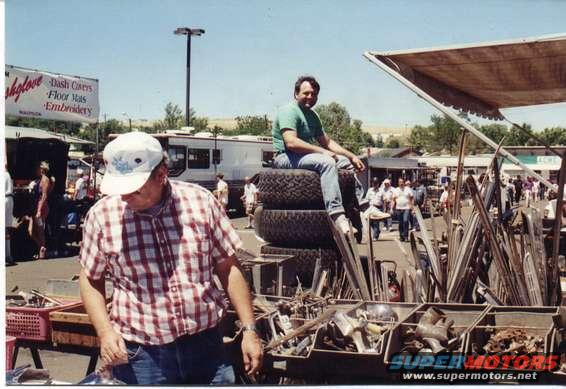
(188, 32)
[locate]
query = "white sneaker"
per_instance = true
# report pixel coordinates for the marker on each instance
(342, 224)
(377, 214)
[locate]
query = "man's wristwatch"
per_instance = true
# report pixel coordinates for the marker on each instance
(250, 327)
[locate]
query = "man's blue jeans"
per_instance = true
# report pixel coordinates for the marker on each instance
(197, 359)
(327, 168)
(403, 216)
(375, 230)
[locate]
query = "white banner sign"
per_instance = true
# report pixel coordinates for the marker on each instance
(42, 95)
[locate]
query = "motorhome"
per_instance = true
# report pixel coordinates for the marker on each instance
(199, 157)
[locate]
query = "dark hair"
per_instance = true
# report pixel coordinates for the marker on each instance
(220, 175)
(164, 162)
(310, 79)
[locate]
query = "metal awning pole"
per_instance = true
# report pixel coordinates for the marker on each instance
(95, 158)
(455, 117)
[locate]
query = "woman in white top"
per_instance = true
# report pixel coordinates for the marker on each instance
(222, 190)
(9, 212)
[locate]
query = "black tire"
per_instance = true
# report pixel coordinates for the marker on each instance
(293, 227)
(299, 188)
(306, 258)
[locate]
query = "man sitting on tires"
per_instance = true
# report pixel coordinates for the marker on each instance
(295, 129)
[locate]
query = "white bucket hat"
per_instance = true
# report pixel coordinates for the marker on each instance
(129, 160)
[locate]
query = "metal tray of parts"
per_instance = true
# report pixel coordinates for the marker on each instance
(526, 322)
(465, 316)
(360, 364)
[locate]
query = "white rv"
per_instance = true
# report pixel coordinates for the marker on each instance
(198, 157)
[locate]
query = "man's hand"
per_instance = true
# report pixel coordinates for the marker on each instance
(252, 352)
(112, 348)
(358, 165)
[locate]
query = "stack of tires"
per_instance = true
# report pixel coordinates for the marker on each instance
(292, 218)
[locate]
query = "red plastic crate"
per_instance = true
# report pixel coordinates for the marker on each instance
(10, 347)
(32, 323)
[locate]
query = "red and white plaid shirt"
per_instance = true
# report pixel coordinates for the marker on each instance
(161, 265)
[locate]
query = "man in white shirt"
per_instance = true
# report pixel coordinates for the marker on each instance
(412, 219)
(536, 186)
(80, 186)
(222, 190)
(387, 201)
(402, 204)
(374, 196)
(250, 199)
(443, 201)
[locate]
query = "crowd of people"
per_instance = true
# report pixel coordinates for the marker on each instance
(387, 202)
(43, 212)
(529, 189)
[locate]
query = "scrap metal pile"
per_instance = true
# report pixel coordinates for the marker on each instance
(491, 256)
(517, 341)
(33, 299)
(352, 312)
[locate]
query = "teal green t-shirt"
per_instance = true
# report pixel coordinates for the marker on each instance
(304, 121)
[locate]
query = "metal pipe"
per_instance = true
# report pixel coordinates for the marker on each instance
(556, 287)
(454, 117)
(188, 91)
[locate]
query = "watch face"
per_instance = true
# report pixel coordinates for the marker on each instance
(250, 327)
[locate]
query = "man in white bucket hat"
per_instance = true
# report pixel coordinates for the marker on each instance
(161, 242)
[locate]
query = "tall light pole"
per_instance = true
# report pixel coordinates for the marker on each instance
(188, 32)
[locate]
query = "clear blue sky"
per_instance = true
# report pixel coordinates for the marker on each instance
(252, 51)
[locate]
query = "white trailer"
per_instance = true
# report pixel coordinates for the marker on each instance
(198, 158)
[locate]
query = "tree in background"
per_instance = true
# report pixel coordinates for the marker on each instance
(339, 126)
(517, 137)
(175, 119)
(445, 134)
(111, 126)
(496, 132)
(393, 142)
(419, 138)
(199, 123)
(253, 125)
(442, 136)
(377, 140)
(554, 136)
(68, 128)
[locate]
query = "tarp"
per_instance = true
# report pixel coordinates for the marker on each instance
(482, 78)
(392, 163)
(13, 132)
(43, 95)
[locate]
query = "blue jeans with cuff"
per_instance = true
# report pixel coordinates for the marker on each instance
(403, 216)
(197, 359)
(375, 229)
(327, 168)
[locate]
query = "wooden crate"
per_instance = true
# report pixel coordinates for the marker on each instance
(72, 326)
